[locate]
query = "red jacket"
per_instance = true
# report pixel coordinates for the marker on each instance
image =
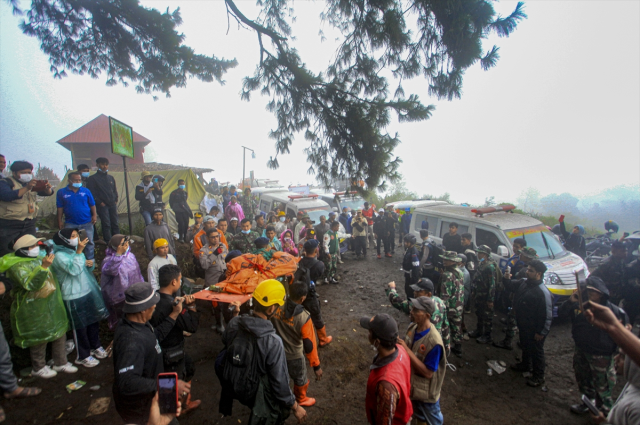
(398, 373)
(369, 214)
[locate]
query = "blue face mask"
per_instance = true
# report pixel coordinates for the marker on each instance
(85, 174)
(182, 187)
(246, 232)
(481, 260)
(76, 185)
(282, 219)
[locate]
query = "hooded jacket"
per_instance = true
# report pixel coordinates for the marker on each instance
(587, 337)
(288, 247)
(626, 410)
(118, 273)
(273, 362)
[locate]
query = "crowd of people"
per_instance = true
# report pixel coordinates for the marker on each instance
(267, 343)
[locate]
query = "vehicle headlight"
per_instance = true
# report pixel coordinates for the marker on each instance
(552, 279)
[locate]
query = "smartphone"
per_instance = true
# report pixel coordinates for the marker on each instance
(82, 234)
(168, 392)
(590, 405)
(40, 186)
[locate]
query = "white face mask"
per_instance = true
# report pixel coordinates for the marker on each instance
(26, 178)
(33, 252)
(73, 242)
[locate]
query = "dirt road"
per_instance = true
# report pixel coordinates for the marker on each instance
(469, 396)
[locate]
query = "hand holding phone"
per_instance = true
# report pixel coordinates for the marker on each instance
(592, 407)
(168, 392)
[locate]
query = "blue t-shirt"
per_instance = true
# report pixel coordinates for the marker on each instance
(432, 360)
(75, 205)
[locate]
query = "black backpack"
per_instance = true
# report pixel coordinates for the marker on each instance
(241, 369)
(303, 274)
(435, 255)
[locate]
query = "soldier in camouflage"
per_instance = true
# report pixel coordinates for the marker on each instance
(527, 254)
(244, 241)
(452, 287)
(485, 290)
(248, 203)
(423, 288)
(593, 357)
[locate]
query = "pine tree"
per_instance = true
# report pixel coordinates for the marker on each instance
(343, 111)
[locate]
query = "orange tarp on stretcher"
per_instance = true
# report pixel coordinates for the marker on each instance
(222, 297)
(247, 271)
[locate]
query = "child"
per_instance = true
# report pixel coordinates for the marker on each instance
(161, 248)
(293, 324)
(288, 246)
(332, 248)
(274, 243)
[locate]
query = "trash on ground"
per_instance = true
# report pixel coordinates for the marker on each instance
(493, 364)
(75, 386)
(98, 406)
(95, 388)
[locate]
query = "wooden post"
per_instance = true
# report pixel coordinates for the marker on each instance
(126, 188)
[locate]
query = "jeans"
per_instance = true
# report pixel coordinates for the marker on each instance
(58, 351)
(109, 219)
(87, 339)
(88, 228)
(427, 412)
(11, 230)
(8, 381)
(146, 216)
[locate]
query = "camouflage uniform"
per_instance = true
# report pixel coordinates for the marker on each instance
(595, 376)
(439, 318)
(244, 242)
(451, 282)
(485, 286)
(249, 206)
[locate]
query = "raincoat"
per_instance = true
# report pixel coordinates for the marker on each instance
(80, 290)
(288, 247)
(234, 210)
(118, 273)
(37, 312)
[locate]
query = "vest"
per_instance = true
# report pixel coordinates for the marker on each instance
(21, 208)
(423, 389)
(290, 331)
(398, 373)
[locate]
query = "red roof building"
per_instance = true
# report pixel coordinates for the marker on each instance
(93, 140)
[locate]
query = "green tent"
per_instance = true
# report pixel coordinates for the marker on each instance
(194, 188)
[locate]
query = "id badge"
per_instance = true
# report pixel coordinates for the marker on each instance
(31, 208)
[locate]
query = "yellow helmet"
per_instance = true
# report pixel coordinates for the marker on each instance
(269, 292)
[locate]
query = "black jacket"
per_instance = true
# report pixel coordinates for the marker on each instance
(574, 242)
(453, 243)
(316, 270)
(103, 188)
(587, 337)
(178, 202)
(145, 203)
(380, 227)
(137, 361)
(411, 264)
(187, 321)
(533, 304)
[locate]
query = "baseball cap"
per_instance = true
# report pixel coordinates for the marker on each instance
(144, 174)
(139, 297)
(423, 284)
(208, 218)
(424, 304)
(529, 252)
(26, 241)
(382, 325)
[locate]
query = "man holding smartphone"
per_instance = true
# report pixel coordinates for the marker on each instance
(137, 356)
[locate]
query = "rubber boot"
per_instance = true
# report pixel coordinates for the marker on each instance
(506, 344)
(322, 336)
(301, 395)
(190, 405)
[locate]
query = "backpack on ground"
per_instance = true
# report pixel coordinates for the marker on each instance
(240, 368)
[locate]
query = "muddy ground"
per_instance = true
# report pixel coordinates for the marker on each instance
(469, 396)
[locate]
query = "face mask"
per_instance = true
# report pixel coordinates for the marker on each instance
(26, 178)
(282, 219)
(73, 242)
(85, 175)
(33, 252)
(287, 239)
(481, 260)
(104, 171)
(181, 187)
(246, 232)
(77, 185)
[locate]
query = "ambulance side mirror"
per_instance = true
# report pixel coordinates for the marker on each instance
(503, 251)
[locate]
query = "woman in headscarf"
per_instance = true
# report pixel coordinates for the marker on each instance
(81, 295)
(120, 269)
(234, 209)
(288, 245)
(38, 315)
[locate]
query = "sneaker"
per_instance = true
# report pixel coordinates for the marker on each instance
(535, 382)
(388, 255)
(87, 362)
(66, 368)
(99, 353)
(334, 281)
(69, 346)
(45, 373)
(379, 256)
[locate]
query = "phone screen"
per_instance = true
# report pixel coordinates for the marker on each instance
(168, 393)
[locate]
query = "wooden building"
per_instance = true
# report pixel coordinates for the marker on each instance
(93, 140)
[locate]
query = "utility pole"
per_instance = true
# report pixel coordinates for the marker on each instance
(253, 155)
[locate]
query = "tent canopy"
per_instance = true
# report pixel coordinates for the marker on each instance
(194, 188)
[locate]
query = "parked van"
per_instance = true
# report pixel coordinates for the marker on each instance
(415, 203)
(498, 230)
(338, 200)
(291, 203)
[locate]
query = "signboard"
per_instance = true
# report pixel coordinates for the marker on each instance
(121, 138)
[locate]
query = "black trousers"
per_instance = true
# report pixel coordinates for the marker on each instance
(361, 245)
(185, 368)
(532, 351)
(383, 240)
(312, 304)
(183, 224)
(87, 339)
(407, 285)
(392, 241)
(10, 230)
(109, 221)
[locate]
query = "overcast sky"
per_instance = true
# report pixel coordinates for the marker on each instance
(560, 111)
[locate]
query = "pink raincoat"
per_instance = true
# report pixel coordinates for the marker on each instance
(290, 246)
